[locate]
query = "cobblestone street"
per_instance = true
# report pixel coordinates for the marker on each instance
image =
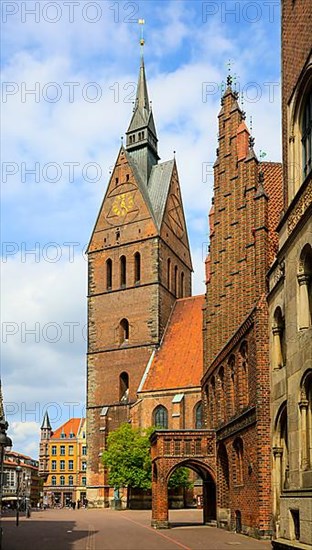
(126, 530)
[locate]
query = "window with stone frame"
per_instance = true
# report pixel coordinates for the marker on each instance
(306, 135)
(160, 417)
(198, 415)
(278, 342)
(62, 480)
(53, 481)
(305, 407)
(53, 450)
(304, 278)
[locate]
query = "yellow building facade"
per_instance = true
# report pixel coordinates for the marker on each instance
(63, 463)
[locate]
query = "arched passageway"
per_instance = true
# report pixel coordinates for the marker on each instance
(206, 496)
(175, 449)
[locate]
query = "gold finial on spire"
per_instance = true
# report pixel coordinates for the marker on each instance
(142, 41)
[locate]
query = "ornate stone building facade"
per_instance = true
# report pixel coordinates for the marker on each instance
(139, 264)
(290, 294)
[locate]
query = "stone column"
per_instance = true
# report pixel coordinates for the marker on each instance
(277, 480)
(304, 307)
(303, 405)
(277, 347)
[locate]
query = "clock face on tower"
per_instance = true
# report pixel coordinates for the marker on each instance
(123, 208)
(123, 204)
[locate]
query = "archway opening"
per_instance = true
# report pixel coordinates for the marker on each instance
(194, 501)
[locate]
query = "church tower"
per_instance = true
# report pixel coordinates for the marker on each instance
(46, 432)
(139, 263)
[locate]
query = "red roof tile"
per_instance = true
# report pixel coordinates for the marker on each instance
(179, 361)
(72, 425)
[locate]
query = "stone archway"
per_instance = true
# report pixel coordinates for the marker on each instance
(180, 448)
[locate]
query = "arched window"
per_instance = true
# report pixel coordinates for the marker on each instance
(182, 284)
(53, 479)
(62, 480)
(175, 282)
(280, 454)
(123, 271)
(238, 449)
(137, 268)
(306, 136)
(243, 375)
(305, 406)
(305, 288)
(160, 417)
(213, 400)
(232, 384)
(278, 339)
(123, 331)
(169, 274)
(124, 387)
(198, 415)
(70, 480)
(109, 274)
(221, 398)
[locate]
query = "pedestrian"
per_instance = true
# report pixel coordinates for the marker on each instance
(74, 505)
(78, 504)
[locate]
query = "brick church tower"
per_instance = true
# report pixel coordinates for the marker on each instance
(139, 263)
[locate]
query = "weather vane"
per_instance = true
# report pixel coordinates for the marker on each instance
(142, 41)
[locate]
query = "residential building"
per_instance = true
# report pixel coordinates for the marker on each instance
(63, 462)
(26, 483)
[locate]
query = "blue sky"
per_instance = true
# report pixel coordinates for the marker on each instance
(82, 61)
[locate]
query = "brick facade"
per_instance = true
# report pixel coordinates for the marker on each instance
(236, 384)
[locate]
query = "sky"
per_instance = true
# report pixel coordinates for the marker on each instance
(69, 72)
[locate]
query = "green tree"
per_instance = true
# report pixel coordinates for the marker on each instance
(128, 460)
(128, 457)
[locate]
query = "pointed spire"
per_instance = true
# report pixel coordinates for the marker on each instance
(142, 140)
(46, 422)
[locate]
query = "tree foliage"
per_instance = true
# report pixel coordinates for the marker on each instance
(128, 460)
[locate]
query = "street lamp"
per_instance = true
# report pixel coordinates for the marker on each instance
(5, 442)
(27, 495)
(18, 472)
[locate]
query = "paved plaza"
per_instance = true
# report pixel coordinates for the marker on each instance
(118, 530)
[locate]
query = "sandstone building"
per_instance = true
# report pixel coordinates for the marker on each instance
(139, 264)
(290, 294)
